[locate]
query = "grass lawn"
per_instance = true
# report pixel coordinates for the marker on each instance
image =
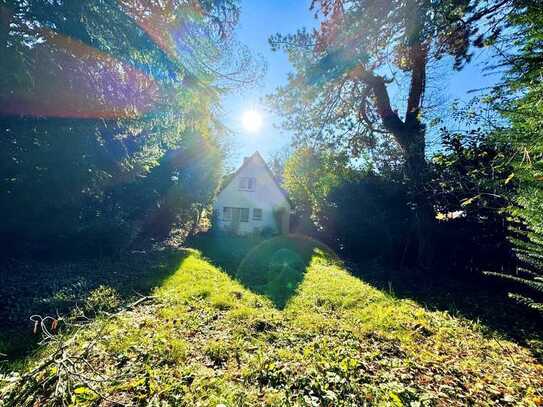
(56, 287)
(204, 339)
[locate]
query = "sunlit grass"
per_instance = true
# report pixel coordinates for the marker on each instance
(209, 340)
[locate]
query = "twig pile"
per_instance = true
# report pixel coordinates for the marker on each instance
(67, 371)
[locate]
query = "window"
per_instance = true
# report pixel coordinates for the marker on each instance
(235, 214)
(257, 214)
(244, 215)
(247, 183)
(227, 213)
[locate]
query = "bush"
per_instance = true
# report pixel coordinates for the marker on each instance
(368, 219)
(106, 165)
(470, 197)
(102, 299)
(96, 207)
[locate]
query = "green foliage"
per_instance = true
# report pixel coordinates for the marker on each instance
(369, 218)
(102, 299)
(343, 92)
(361, 215)
(309, 176)
(108, 124)
(471, 172)
(518, 99)
(359, 83)
(471, 193)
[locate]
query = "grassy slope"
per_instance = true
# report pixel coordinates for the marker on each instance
(53, 287)
(207, 340)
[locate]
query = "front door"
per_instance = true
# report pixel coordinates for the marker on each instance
(236, 216)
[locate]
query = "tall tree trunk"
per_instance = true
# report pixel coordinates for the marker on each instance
(410, 136)
(416, 170)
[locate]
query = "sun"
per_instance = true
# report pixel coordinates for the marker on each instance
(252, 120)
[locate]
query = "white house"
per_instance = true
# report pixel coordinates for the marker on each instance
(252, 201)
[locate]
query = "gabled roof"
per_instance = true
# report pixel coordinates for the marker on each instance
(246, 161)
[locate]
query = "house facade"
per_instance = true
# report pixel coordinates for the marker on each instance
(252, 201)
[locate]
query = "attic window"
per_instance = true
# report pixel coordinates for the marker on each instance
(247, 183)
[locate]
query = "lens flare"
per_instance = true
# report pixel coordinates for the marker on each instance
(64, 77)
(67, 78)
(165, 22)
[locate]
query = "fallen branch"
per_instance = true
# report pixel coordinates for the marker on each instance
(140, 301)
(68, 369)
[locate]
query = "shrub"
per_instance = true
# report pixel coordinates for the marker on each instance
(367, 218)
(102, 299)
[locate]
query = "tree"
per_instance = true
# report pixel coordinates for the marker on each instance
(471, 193)
(518, 99)
(350, 73)
(95, 98)
(310, 175)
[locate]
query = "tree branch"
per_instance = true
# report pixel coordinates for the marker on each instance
(418, 58)
(391, 120)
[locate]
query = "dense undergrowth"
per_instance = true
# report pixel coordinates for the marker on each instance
(204, 339)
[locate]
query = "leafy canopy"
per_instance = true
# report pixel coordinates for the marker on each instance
(518, 99)
(310, 175)
(108, 111)
(361, 76)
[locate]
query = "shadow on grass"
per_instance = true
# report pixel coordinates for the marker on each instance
(478, 299)
(30, 287)
(276, 267)
(272, 267)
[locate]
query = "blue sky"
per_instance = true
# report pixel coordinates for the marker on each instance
(261, 19)
(258, 21)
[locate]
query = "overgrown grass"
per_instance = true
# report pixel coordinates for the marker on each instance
(277, 266)
(54, 288)
(223, 250)
(207, 340)
(272, 267)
